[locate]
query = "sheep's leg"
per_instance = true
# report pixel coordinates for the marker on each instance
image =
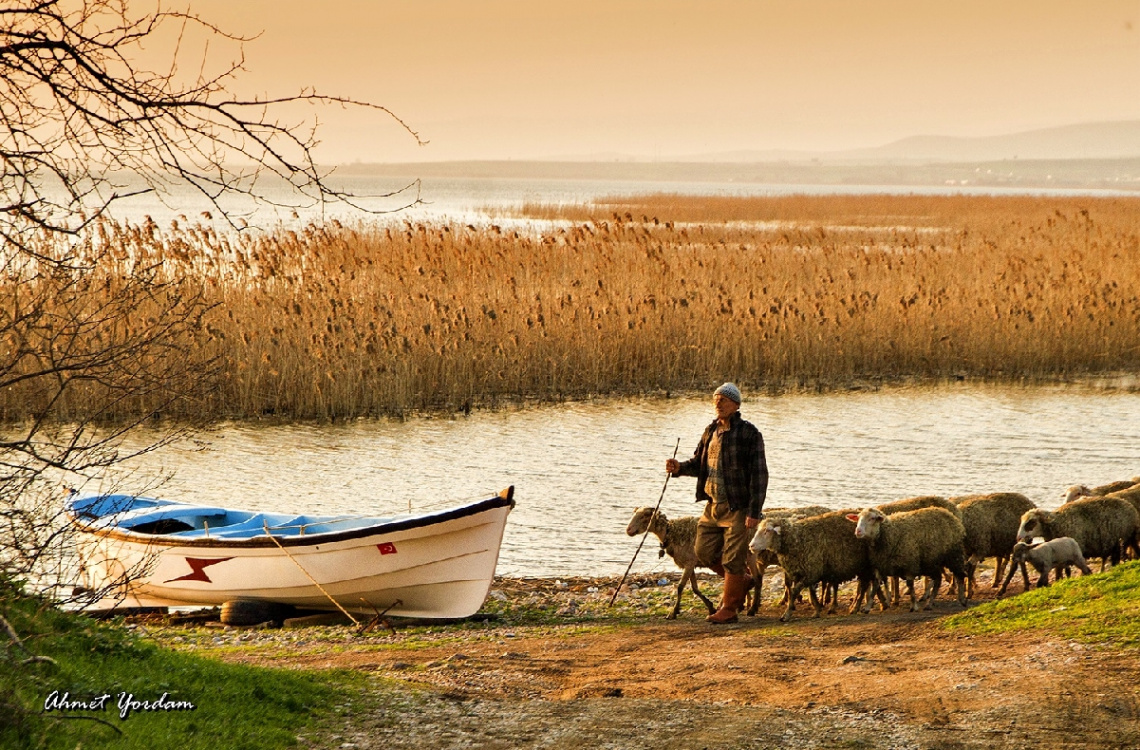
(877, 590)
(895, 598)
(1024, 576)
(931, 593)
(999, 569)
(693, 582)
(963, 589)
(833, 590)
(815, 602)
(1008, 577)
(792, 595)
(910, 591)
(860, 594)
(757, 589)
(971, 572)
(680, 589)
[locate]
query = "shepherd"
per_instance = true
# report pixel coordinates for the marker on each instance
(732, 481)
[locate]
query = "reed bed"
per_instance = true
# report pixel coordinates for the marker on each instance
(649, 295)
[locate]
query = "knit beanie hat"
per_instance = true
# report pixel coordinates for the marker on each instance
(729, 391)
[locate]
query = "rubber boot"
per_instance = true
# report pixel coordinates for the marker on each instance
(732, 600)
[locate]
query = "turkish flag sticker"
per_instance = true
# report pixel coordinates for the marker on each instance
(387, 548)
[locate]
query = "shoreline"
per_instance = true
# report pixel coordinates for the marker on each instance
(626, 677)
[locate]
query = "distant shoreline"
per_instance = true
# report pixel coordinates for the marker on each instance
(1008, 174)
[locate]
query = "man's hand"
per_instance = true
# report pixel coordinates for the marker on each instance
(672, 465)
(751, 522)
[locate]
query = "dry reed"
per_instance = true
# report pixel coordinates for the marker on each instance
(660, 293)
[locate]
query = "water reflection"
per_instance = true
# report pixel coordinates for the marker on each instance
(580, 469)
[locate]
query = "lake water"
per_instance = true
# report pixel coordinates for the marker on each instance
(474, 200)
(580, 469)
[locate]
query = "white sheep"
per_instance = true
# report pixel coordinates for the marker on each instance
(764, 559)
(818, 549)
(678, 538)
(915, 543)
(909, 504)
(1055, 555)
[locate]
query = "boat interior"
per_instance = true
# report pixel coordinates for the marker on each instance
(143, 515)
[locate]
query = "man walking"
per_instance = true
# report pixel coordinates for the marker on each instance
(732, 481)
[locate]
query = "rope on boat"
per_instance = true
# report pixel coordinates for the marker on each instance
(310, 577)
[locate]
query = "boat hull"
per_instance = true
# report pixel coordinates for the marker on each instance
(440, 566)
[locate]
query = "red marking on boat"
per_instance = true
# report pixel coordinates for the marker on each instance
(387, 548)
(198, 569)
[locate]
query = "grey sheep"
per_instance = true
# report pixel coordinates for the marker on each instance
(1056, 554)
(1078, 491)
(1100, 525)
(764, 559)
(1132, 495)
(991, 523)
(819, 549)
(915, 543)
(909, 504)
(678, 538)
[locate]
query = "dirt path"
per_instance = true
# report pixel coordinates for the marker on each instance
(885, 680)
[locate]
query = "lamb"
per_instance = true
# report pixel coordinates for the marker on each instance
(991, 523)
(918, 542)
(678, 538)
(1056, 554)
(818, 549)
(1100, 525)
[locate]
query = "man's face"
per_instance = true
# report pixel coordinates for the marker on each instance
(725, 407)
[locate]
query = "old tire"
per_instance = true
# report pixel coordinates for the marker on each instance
(251, 612)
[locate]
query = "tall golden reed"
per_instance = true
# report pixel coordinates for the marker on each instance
(658, 293)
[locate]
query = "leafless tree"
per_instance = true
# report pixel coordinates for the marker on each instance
(83, 123)
(89, 332)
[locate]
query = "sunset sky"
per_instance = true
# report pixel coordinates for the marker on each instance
(522, 79)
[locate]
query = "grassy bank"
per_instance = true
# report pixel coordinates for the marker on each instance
(645, 295)
(1104, 608)
(233, 706)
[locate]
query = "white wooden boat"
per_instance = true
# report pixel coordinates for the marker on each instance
(149, 552)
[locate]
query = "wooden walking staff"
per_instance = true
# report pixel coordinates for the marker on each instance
(642, 542)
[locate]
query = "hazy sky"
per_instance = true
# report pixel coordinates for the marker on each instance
(517, 79)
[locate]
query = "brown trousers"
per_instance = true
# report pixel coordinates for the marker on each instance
(723, 537)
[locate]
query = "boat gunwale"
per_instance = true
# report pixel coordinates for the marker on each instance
(502, 500)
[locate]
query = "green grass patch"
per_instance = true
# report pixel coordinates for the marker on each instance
(234, 706)
(1102, 608)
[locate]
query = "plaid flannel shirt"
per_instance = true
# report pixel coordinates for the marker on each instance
(742, 466)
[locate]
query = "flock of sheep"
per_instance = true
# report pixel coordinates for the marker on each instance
(924, 536)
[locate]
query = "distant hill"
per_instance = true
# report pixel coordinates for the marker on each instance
(1095, 140)
(1103, 155)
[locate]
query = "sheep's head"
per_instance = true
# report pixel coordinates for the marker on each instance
(867, 523)
(1033, 524)
(1020, 550)
(642, 520)
(767, 537)
(1076, 491)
